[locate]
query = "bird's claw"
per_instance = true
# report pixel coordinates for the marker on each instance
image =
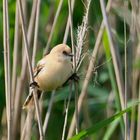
(75, 77)
(34, 84)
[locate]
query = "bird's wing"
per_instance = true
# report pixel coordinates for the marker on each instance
(39, 67)
(37, 70)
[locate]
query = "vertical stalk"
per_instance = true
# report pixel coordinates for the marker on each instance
(66, 112)
(7, 67)
(71, 32)
(74, 63)
(36, 33)
(45, 125)
(68, 23)
(20, 81)
(53, 26)
(114, 56)
(89, 73)
(125, 86)
(30, 70)
(138, 123)
(15, 54)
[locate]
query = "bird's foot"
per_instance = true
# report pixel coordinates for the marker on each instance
(74, 77)
(34, 84)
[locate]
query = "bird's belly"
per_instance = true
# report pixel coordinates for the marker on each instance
(51, 79)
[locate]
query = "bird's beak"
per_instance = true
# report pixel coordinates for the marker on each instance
(70, 54)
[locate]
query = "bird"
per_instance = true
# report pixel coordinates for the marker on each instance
(52, 71)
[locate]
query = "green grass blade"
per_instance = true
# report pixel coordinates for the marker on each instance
(84, 133)
(112, 127)
(112, 76)
(111, 70)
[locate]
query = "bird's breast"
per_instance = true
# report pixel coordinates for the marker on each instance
(53, 76)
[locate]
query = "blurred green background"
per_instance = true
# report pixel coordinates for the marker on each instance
(102, 100)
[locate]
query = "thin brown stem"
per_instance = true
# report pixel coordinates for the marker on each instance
(138, 123)
(15, 55)
(68, 23)
(134, 36)
(76, 107)
(21, 80)
(74, 63)
(126, 81)
(45, 125)
(71, 32)
(36, 32)
(23, 132)
(26, 133)
(53, 26)
(30, 70)
(114, 56)
(89, 72)
(25, 40)
(7, 68)
(66, 112)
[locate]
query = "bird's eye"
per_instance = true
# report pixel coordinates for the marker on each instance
(65, 53)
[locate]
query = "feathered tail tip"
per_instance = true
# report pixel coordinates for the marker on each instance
(29, 99)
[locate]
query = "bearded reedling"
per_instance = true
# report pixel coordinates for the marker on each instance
(52, 71)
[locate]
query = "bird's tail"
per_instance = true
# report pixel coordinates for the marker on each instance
(29, 99)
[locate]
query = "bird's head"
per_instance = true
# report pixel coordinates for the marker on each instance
(62, 52)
